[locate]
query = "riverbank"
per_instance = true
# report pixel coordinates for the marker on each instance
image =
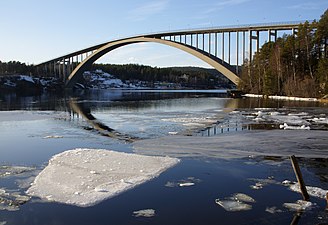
(287, 98)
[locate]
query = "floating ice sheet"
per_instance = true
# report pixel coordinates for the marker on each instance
(144, 213)
(232, 205)
(273, 210)
(236, 202)
(11, 201)
(52, 136)
(285, 126)
(299, 205)
(14, 170)
(239, 145)
(190, 181)
(243, 197)
(313, 191)
(84, 177)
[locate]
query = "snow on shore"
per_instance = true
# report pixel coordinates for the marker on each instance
(85, 177)
(281, 97)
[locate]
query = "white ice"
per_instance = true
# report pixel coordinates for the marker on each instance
(281, 97)
(299, 205)
(187, 184)
(232, 205)
(85, 177)
(273, 210)
(243, 197)
(144, 213)
(52, 136)
(14, 170)
(313, 191)
(189, 181)
(236, 202)
(285, 126)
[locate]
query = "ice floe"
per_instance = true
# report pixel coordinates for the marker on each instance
(85, 177)
(285, 126)
(190, 181)
(144, 213)
(260, 183)
(10, 200)
(187, 184)
(299, 205)
(312, 191)
(52, 136)
(283, 118)
(321, 120)
(192, 121)
(273, 210)
(232, 205)
(14, 170)
(243, 197)
(236, 202)
(239, 144)
(256, 186)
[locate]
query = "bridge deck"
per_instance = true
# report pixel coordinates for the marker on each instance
(221, 29)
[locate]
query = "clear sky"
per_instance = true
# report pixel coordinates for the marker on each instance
(33, 31)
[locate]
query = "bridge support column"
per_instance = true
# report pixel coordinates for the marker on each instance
(244, 45)
(272, 33)
(216, 44)
(237, 52)
(229, 48)
(203, 42)
(222, 47)
(197, 41)
(251, 38)
(209, 43)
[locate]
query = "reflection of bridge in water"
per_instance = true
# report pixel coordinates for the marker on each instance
(103, 129)
(220, 47)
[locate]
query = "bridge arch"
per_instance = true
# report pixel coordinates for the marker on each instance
(214, 62)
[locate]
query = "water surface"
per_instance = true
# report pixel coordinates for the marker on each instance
(34, 128)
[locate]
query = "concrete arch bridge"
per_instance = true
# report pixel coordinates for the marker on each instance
(224, 48)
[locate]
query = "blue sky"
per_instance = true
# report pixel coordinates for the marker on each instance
(33, 31)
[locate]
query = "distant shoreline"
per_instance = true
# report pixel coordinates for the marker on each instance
(288, 98)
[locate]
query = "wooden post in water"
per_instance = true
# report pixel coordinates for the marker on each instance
(296, 218)
(327, 201)
(299, 177)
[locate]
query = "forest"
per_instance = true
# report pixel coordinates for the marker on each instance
(293, 65)
(15, 67)
(186, 76)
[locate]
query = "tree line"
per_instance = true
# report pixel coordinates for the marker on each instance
(187, 76)
(15, 67)
(293, 65)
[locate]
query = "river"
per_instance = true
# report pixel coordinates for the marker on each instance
(225, 146)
